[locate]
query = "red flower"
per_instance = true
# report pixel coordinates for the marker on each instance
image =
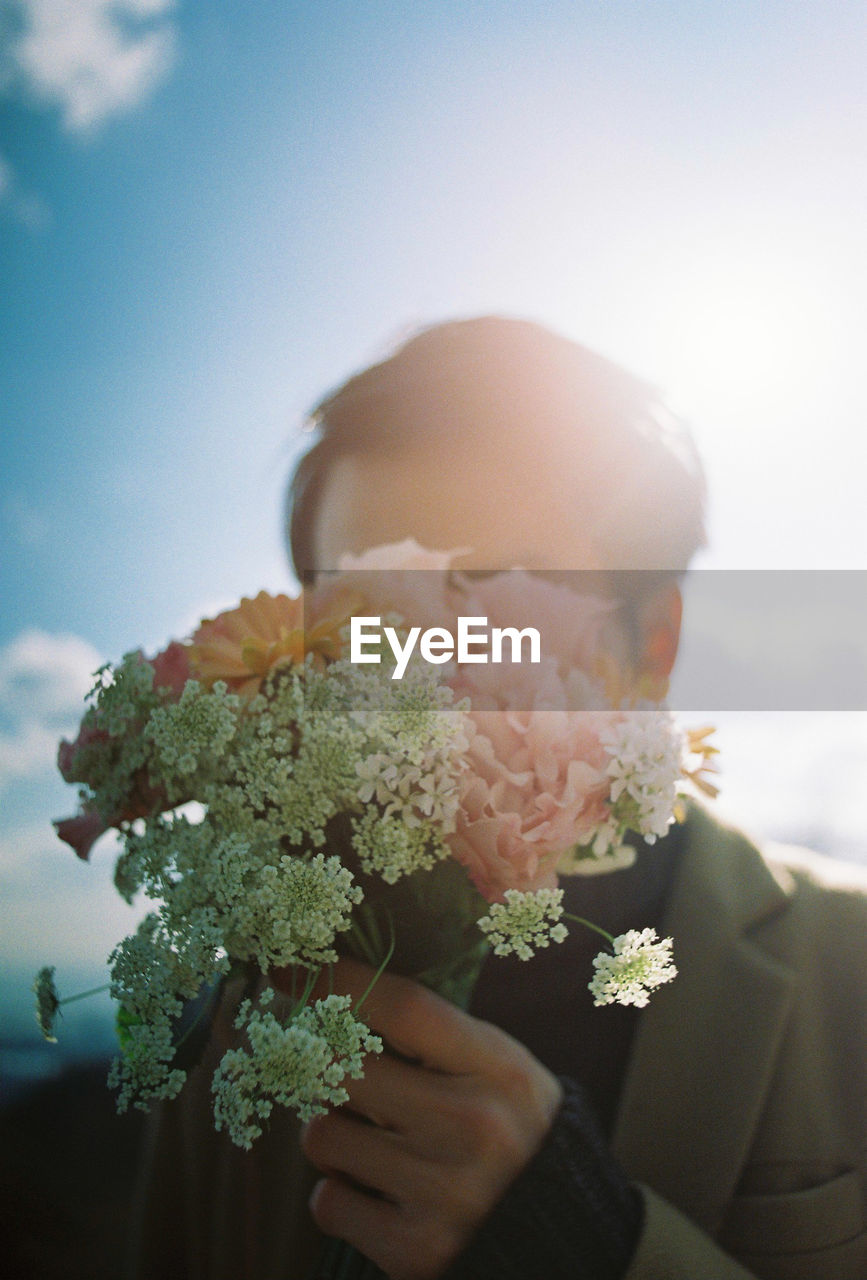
(81, 832)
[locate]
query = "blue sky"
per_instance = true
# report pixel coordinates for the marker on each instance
(211, 212)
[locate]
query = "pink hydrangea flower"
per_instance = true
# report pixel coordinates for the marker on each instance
(535, 787)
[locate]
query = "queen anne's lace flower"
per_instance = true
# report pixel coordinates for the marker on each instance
(197, 729)
(157, 853)
(391, 847)
(47, 1002)
(349, 1039)
(111, 756)
(143, 1074)
(124, 693)
(415, 744)
(152, 972)
(299, 1064)
(524, 921)
(640, 962)
(166, 960)
(291, 910)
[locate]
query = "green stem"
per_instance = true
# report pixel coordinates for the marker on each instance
(82, 995)
(380, 970)
(589, 925)
(309, 984)
(207, 1005)
(367, 937)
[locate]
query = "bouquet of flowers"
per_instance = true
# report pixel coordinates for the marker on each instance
(280, 803)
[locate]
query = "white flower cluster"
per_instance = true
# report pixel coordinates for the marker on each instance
(152, 972)
(144, 1073)
(415, 744)
(121, 700)
(291, 909)
(301, 1064)
(293, 767)
(524, 921)
(646, 750)
(640, 962)
(249, 881)
(193, 731)
(123, 692)
(389, 847)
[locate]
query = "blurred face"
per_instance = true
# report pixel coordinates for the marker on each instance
(507, 503)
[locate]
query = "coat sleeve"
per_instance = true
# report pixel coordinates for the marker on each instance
(572, 1214)
(571, 1211)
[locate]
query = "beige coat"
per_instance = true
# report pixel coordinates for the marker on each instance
(743, 1116)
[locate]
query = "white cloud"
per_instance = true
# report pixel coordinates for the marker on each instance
(93, 58)
(56, 909)
(43, 680)
(25, 851)
(24, 206)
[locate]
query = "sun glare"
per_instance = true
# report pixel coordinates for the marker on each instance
(743, 339)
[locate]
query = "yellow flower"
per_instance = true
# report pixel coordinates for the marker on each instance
(697, 745)
(625, 687)
(243, 644)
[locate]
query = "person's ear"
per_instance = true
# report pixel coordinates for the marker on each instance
(659, 621)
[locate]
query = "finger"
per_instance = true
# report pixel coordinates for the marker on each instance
(406, 1098)
(402, 1245)
(361, 1220)
(372, 1157)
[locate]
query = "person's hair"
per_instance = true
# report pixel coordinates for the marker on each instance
(642, 486)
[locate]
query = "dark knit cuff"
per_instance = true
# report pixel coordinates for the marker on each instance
(571, 1212)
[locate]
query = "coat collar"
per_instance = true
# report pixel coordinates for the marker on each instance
(705, 1049)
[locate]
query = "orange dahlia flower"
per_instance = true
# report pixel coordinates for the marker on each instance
(243, 644)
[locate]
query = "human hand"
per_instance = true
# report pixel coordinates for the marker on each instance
(434, 1133)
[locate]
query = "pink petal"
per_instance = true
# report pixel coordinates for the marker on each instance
(81, 832)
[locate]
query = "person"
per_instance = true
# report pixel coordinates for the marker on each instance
(722, 1131)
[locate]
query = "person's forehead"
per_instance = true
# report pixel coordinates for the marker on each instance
(513, 510)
